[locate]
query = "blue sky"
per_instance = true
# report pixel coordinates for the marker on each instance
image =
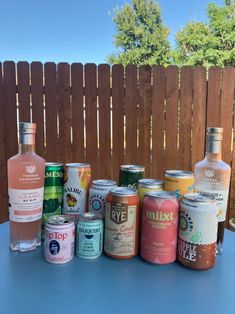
(75, 30)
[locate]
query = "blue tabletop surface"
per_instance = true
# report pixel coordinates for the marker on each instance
(30, 285)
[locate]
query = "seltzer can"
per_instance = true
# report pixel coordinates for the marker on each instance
(122, 223)
(59, 239)
(53, 191)
(159, 227)
(76, 185)
(179, 181)
(97, 195)
(129, 175)
(198, 226)
(89, 240)
(149, 185)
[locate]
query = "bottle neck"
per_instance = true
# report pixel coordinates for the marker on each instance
(26, 148)
(213, 150)
(27, 143)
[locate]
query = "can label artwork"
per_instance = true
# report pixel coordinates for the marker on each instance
(129, 175)
(89, 243)
(197, 234)
(179, 181)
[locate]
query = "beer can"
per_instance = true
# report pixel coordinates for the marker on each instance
(129, 175)
(179, 181)
(53, 191)
(76, 185)
(59, 239)
(89, 241)
(159, 227)
(122, 223)
(97, 195)
(198, 226)
(148, 185)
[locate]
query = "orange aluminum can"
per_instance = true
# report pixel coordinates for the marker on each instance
(179, 181)
(122, 223)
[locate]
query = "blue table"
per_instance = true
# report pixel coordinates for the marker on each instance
(28, 285)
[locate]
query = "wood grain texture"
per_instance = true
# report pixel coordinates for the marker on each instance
(213, 98)
(23, 91)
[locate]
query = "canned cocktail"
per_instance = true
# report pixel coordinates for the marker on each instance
(179, 181)
(129, 175)
(148, 185)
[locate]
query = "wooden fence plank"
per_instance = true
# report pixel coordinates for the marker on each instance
(104, 121)
(131, 102)
(23, 91)
(158, 121)
(37, 105)
(51, 112)
(172, 98)
(199, 115)
(78, 149)
(185, 119)
(145, 94)
(117, 119)
(3, 160)
(213, 100)
(64, 112)
(91, 118)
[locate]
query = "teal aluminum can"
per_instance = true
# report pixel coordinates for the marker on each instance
(129, 175)
(89, 240)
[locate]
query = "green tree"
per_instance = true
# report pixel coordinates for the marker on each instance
(140, 35)
(208, 44)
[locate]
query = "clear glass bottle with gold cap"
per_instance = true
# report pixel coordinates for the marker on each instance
(25, 189)
(212, 175)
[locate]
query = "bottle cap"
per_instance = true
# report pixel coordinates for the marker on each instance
(214, 133)
(27, 128)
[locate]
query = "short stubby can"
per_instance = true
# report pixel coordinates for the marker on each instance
(179, 181)
(198, 226)
(59, 239)
(159, 227)
(76, 185)
(97, 195)
(89, 240)
(53, 191)
(129, 175)
(122, 223)
(149, 185)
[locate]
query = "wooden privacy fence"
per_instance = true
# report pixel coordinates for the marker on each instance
(109, 116)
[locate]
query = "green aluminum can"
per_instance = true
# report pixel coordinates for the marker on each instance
(129, 175)
(53, 191)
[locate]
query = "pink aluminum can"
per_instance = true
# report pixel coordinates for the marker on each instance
(160, 213)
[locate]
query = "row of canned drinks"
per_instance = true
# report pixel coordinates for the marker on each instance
(126, 211)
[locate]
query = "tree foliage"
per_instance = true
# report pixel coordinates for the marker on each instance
(140, 35)
(208, 44)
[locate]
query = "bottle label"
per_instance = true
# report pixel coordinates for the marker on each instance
(25, 205)
(221, 201)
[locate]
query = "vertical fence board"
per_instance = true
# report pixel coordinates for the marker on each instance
(3, 160)
(64, 112)
(172, 97)
(145, 94)
(91, 118)
(117, 119)
(158, 121)
(185, 119)
(199, 115)
(213, 100)
(23, 91)
(51, 112)
(37, 104)
(104, 121)
(78, 148)
(131, 102)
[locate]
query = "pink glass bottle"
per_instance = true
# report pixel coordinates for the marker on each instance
(25, 189)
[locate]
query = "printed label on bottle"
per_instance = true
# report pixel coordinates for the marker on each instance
(25, 205)
(120, 229)
(221, 201)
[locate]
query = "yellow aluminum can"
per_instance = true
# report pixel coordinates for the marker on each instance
(148, 185)
(179, 181)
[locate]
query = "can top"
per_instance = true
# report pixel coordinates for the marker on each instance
(27, 128)
(161, 194)
(150, 183)
(123, 191)
(60, 220)
(178, 174)
(54, 164)
(103, 182)
(132, 168)
(199, 198)
(77, 165)
(89, 217)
